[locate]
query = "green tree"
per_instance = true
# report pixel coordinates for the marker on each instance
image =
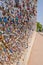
(39, 27)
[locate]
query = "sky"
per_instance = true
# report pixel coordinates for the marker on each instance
(40, 11)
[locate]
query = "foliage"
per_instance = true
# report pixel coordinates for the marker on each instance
(39, 27)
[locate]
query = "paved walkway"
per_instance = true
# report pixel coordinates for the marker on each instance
(36, 57)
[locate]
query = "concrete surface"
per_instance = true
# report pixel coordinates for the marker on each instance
(36, 57)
